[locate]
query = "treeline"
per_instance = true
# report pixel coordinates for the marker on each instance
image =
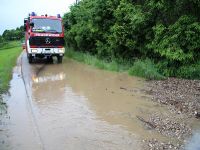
(11, 35)
(165, 32)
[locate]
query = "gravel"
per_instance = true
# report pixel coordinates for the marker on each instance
(170, 127)
(180, 95)
(182, 98)
(154, 144)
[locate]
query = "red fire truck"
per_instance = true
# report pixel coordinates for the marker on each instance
(44, 37)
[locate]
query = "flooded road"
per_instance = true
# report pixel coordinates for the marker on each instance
(73, 106)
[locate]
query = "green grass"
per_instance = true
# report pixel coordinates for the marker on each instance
(8, 58)
(146, 69)
(96, 62)
(189, 71)
(141, 68)
(8, 55)
(8, 45)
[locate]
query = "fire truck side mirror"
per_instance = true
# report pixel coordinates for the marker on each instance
(25, 21)
(24, 27)
(32, 24)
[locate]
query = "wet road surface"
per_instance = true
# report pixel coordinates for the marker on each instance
(72, 106)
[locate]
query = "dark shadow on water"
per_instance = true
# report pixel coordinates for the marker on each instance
(43, 61)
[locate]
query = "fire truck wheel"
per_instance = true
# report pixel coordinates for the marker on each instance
(30, 59)
(50, 59)
(59, 59)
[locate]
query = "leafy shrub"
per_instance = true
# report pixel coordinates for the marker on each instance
(146, 69)
(178, 42)
(190, 72)
(127, 38)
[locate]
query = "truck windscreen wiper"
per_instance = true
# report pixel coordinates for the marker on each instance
(39, 30)
(53, 31)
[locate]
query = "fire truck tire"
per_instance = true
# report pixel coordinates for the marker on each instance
(60, 58)
(50, 59)
(30, 59)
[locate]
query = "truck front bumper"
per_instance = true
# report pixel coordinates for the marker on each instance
(42, 52)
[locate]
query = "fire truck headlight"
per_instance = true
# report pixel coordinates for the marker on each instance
(34, 50)
(61, 50)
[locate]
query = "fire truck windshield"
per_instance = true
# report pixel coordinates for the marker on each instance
(47, 25)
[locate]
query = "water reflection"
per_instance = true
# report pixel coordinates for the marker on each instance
(48, 89)
(42, 79)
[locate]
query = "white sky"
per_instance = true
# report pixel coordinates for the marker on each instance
(13, 12)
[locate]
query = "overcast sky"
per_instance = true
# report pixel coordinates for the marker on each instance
(13, 12)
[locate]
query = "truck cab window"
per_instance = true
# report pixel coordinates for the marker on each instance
(47, 25)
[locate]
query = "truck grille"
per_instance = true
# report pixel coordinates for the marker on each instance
(46, 41)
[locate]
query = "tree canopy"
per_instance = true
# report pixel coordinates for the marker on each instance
(165, 31)
(14, 34)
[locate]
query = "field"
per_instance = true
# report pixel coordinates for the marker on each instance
(8, 56)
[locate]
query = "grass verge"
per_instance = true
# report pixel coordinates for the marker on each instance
(8, 58)
(95, 61)
(9, 45)
(146, 69)
(141, 68)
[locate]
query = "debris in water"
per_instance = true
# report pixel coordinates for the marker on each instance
(146, 122)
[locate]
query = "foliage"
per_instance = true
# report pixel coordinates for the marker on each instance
(164, 31)
(146, 69)
(126, 40)
(1, 39)
(9, 44)
(179, 42)
(14, 34)
(95, 61)
(190, 71)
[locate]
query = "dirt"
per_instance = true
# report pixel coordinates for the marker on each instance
(74, 106)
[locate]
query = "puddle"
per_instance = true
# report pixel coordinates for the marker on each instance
(74, 106)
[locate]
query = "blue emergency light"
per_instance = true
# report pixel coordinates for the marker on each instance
(58, 16)
(33, 14)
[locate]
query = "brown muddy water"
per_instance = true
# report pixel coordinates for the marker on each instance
(72, 106)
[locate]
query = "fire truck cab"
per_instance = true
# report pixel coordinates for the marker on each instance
(44, 37)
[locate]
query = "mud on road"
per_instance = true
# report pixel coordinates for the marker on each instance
(73, 106)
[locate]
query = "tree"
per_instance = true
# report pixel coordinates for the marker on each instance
(166, 31)
(14, 34)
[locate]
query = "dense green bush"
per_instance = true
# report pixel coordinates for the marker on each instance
(189, 71)
(166, 32)
(178, 42)
(126, 39)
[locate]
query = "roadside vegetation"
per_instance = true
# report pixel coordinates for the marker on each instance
(158, 38)
(10, 48)
(94, 61)
(9, 45)
(8, 55)
(12, 35)
(139, 68)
